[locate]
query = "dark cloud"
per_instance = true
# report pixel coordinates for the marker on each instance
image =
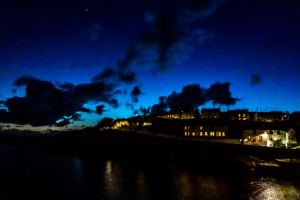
(117, 75)
(76, 117)
(135, 111)
(14, 91)
(105, 75)
(136, 92)
(2, 102)
(87, 110)
(113, 103)
(164, 37)
(65, 86)
(93, 32)
(26, 80)
(145, 111)
(127, 77)
(44, 104)
(173, 34)
(100, 109)
(62, 123)
(220, 94)
(94, 91)
(132, 55)
(190, 97)
(193, 96)
(117, 92)
(7, 126)
(255, 79)
(125, 92)
(82, 126)
(131, 106)
(18, 126)
(159, 108)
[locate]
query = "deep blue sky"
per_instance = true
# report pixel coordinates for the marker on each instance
(252, 45)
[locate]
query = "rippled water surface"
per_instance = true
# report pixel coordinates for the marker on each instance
(34, 174)
(273, 188)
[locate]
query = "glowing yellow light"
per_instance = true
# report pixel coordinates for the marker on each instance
(265, 134)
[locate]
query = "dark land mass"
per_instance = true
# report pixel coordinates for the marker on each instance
(131, 147)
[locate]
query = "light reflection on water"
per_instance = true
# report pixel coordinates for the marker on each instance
(182, 184)
(200, 184)
(141, 182)
(111, 181)
(270, 188)
(31, 174)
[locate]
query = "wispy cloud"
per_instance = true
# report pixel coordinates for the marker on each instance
(255, 79)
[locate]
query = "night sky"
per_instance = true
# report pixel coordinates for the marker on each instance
(68, 64)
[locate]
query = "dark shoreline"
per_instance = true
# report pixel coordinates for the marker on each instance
(132, 147)
(144, 149)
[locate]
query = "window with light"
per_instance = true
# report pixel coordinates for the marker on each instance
(279, 138)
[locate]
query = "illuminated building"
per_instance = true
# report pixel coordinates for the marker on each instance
(206, 128)
(210, 113)
(239, 114)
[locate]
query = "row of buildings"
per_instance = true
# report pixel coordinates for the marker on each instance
(240, 114)
(233, 126)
